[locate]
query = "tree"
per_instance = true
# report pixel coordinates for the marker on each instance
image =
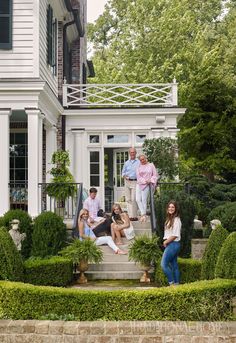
(163, 153)
(139, 41)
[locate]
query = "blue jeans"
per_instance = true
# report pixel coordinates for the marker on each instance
(169, 263)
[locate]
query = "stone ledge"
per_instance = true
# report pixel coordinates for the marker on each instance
(24, 331)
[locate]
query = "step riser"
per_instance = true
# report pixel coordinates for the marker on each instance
(114, 276)
(113, 267)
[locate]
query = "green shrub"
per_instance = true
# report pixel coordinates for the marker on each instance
(226, 213)
(25, 226)
(190, 271)
(187, 214)
(2, 222)
(226, 262)
(204, 300)
(215, 241)
(56, 271)
(49, 235)
(11, 265)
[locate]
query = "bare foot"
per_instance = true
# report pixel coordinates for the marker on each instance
(121, 252)
(119, 243)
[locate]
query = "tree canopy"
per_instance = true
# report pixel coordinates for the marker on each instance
(154, 41)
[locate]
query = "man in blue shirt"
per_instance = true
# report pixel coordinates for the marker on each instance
(129, 174)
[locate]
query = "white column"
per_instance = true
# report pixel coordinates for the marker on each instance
(80, 161)
(35, 126)
(51, 147)
(4, 160)
(70, 146)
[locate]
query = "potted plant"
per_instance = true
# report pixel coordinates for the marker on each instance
(83, 252)
(62, 185)
(144, 250)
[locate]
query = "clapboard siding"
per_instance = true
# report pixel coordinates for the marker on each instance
(44, 69)
(21, 61)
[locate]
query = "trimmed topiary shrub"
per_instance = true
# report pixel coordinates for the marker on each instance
(226, 214)
(56, 271)
(203, 300)
(187, 214)
(25, 226)
(214, 244)
(226, 262)
(49, 235)
(190, 271)
(11, 265)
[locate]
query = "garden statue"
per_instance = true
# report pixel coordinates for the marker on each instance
(16, 236)
(214, 223)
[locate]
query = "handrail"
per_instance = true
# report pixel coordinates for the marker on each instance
(78, 209)
(152, 209)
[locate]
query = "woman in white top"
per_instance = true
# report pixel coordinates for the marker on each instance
(172, 236)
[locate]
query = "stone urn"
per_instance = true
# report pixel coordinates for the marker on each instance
(145, 277)
(82, 267)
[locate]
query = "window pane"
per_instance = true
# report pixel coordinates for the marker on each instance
(20, 138)
(20, 162)
(20, 150)
(93, 139)
(20, 174)
(4, 29)
(94, 181)
(11, 162)
(4, 6)
(117, 138)
(94, 156)
(94, 169)
(140, 138)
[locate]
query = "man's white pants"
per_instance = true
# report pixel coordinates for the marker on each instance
(130, 198)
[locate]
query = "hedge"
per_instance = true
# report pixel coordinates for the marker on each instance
(203, 300)
(226, 213)
(190, 271)
(56, 271)
(11, 265)
(226, 262)
(214, 244)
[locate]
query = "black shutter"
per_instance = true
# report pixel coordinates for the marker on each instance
(5, 24)
(49, 34)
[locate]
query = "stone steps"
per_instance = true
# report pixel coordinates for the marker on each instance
(118, 267)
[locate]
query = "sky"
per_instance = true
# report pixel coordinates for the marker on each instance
(94, 9)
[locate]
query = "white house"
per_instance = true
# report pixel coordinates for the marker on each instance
(45, 104)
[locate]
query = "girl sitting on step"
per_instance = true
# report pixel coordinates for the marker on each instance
(121, 222)
(86, 232)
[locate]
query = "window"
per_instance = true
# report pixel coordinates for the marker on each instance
(18, 157)
(94, 168)
(140, 138)
(51, 40)
(117, 138)
(94, 139)
(6, 24)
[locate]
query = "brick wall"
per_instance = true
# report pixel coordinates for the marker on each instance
(116, 332)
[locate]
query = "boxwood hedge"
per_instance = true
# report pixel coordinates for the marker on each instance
(203, 300)
(55, 271)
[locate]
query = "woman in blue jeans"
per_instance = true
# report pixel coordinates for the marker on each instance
(172, 235)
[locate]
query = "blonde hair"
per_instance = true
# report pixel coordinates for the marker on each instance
(82, 212)
(116, 205)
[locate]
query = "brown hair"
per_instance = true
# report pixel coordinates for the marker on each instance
(171, 217)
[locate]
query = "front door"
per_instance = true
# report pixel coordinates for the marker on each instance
(119, 158)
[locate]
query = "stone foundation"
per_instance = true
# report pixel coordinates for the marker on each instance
(33, 331)
(198, 246)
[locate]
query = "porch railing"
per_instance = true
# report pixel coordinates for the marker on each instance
(65, 208)
(120, 95)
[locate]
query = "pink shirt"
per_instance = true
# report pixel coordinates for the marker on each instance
(146, 173)
(92, 205)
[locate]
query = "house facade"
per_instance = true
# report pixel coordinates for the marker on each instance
(42, 55)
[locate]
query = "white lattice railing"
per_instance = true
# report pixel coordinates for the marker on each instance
(120, 95)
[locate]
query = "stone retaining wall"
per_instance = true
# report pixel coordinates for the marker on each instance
(33, 331)
(198, 246)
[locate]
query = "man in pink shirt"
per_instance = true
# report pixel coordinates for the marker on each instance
(93, 205)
